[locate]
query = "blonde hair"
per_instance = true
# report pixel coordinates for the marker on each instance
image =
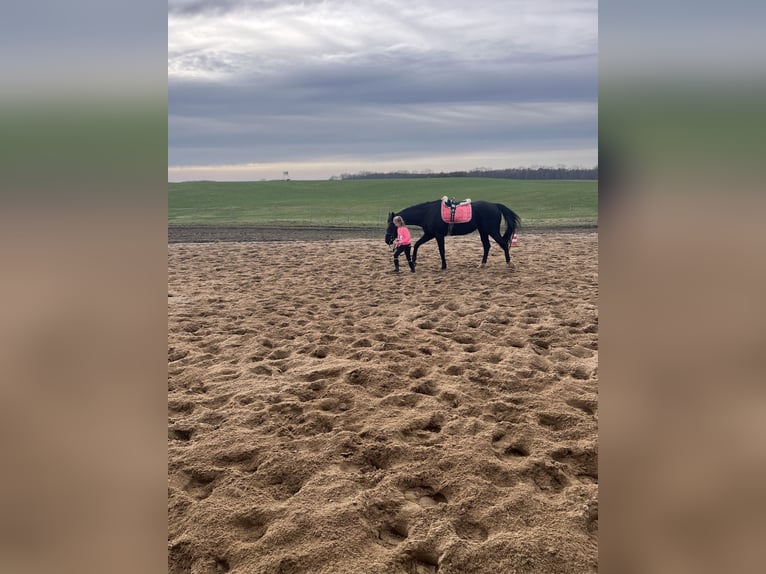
(398, 219)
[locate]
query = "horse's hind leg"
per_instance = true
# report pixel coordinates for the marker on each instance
(504, 245)
(485, 244)
(440, 242)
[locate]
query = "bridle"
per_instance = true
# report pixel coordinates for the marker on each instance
(389, 236)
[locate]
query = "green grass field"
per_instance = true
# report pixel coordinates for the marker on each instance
(367, 202)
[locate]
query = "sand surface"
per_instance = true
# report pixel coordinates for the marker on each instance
(329, 416)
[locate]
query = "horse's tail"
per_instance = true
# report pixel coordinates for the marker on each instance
(512, 220)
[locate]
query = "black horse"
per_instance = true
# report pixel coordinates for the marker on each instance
(486, 219)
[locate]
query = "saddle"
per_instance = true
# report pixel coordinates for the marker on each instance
(456, 212)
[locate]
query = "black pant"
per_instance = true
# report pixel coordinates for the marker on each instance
(406, 249)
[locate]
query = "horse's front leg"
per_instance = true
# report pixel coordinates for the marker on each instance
(440, 242)
(418, 243)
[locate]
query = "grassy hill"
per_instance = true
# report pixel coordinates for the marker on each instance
(367, 202)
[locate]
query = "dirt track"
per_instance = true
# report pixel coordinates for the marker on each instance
(327, 416)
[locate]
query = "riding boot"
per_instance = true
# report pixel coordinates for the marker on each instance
(412, 266)
(396, 265)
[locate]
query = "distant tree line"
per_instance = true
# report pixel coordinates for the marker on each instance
(510, 173)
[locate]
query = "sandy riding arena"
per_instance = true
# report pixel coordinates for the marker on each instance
(328, 416)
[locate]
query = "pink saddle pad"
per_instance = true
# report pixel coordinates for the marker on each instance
(462, 213)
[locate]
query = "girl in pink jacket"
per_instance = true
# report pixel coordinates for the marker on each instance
(402, 244)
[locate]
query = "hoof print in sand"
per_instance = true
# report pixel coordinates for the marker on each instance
(250, 526)
(423, 430)
(582, 462)
(588, 406)
(455, 370)
(470, 530)
(180, 434)
(425, 496)
(425, 388)
(180, 558)
(507, 447)
(392, 534)
(548, 476)
(557, 421)
(200, 484)
(421, 561)
(320, 352)
(418, 372)
(176, 354)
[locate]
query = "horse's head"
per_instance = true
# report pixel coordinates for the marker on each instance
(390, 229)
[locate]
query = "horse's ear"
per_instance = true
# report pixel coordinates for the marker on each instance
(390, 215)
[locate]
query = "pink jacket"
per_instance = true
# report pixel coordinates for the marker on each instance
(403, 236)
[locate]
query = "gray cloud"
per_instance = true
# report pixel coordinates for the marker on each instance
(208, 7)
(313, 95)
(391, 81)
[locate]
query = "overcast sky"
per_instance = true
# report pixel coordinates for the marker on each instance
(320, 88)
